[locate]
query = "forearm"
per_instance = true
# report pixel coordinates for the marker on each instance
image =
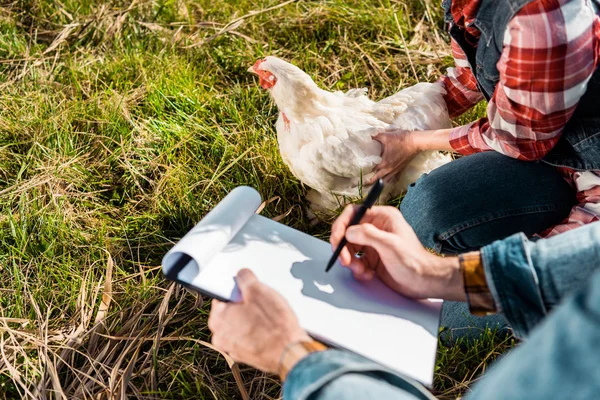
(432, 140)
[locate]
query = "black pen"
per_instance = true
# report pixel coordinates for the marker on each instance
(368, 203)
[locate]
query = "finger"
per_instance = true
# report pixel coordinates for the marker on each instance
(217, 306)
(380, 216)
(373, 178)
(368, 235)
(345, 257)
(392, 131)
(384, 136)
(245, 280)
(338, 229)
(357, 267)
(349, 253)
(360, 271)
(371, 258)
(390, 177)
(365, 264)
(217, 309)
(354, 248)
(379, 174)
(383, 165)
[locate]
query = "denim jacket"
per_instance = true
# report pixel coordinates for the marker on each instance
(559, 359)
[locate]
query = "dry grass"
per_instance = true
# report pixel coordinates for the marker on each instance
(121, 124)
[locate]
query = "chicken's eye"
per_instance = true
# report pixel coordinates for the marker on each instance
(266, 79)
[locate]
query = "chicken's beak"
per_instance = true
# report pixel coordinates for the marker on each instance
(252, 70)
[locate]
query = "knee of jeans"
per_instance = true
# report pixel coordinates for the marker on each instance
(418, 209)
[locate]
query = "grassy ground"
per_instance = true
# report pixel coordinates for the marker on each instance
(121, 124)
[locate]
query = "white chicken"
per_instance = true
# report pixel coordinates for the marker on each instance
(326, 138)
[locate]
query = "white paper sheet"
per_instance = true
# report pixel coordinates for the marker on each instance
(366, 318)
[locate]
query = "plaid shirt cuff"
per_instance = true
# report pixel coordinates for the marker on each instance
(459, 140)
(479, 297)
(468, 139)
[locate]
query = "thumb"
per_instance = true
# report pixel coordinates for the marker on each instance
(245, 279)
(368, 235)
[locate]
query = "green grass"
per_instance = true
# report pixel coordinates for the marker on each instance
(121, 124)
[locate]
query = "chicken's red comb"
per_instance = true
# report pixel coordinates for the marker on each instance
(257, 63)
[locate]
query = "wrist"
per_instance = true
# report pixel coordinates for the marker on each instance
(445, 278)
(414, 142)
(296, 351)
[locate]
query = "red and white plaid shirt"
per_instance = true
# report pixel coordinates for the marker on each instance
(551, 50)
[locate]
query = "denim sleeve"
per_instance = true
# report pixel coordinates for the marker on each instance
(559, 360)
(528, 278)
(334, 374)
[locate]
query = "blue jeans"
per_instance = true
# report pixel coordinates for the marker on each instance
(475, 200)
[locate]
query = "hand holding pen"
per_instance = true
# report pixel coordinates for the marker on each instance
(359, 212)
(391, 251)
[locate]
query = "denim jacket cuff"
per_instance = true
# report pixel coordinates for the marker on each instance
(514, 283)
(316, 370)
